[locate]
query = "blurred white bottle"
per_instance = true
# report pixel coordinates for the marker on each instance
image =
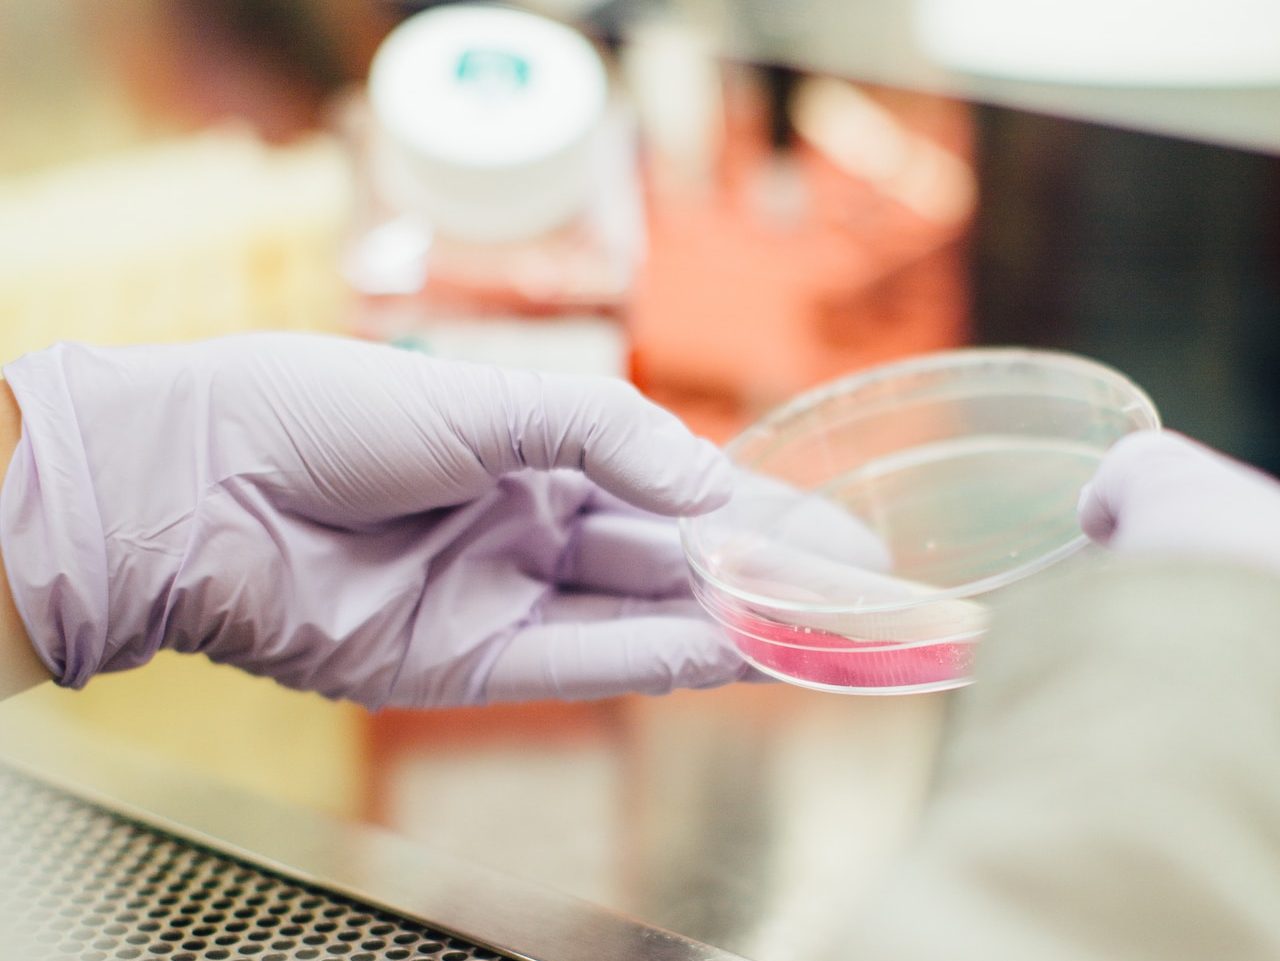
(499, 215)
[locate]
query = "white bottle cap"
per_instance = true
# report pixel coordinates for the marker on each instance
(489, 117)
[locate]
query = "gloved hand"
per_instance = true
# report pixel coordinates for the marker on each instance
(356, 520)
(1158, 492)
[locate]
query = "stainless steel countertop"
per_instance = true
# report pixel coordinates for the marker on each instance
(749, 820)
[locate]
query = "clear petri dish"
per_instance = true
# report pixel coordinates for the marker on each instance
(878, 517)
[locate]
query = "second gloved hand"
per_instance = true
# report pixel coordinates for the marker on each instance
(1156, 492)
(356, 520)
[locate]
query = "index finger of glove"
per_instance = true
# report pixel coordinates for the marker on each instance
(599, 425)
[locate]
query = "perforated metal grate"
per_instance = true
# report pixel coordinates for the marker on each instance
(81, 883)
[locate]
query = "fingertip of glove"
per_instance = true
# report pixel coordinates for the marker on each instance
(675, 477)
(1095, 520)
(715, 479)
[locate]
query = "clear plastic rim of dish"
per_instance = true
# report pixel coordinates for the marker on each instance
(752, 624)
(1139, 403)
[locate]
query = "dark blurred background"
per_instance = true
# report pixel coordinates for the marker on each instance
(1159, 255)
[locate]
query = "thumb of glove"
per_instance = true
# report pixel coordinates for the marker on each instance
(1157, 491)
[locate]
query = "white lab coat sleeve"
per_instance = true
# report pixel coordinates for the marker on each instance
(1110, 786)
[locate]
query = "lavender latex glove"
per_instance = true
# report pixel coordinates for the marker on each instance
(356, 520)
(1159, 492)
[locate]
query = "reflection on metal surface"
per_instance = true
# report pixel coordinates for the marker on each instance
(793, 804)
(755, 818)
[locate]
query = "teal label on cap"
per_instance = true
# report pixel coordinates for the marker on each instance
(492, 72)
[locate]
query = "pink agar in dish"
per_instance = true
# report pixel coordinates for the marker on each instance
(832, 660)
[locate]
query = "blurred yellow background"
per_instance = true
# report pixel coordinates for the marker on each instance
(120, 225)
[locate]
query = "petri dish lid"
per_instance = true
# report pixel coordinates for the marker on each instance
(891, 501)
